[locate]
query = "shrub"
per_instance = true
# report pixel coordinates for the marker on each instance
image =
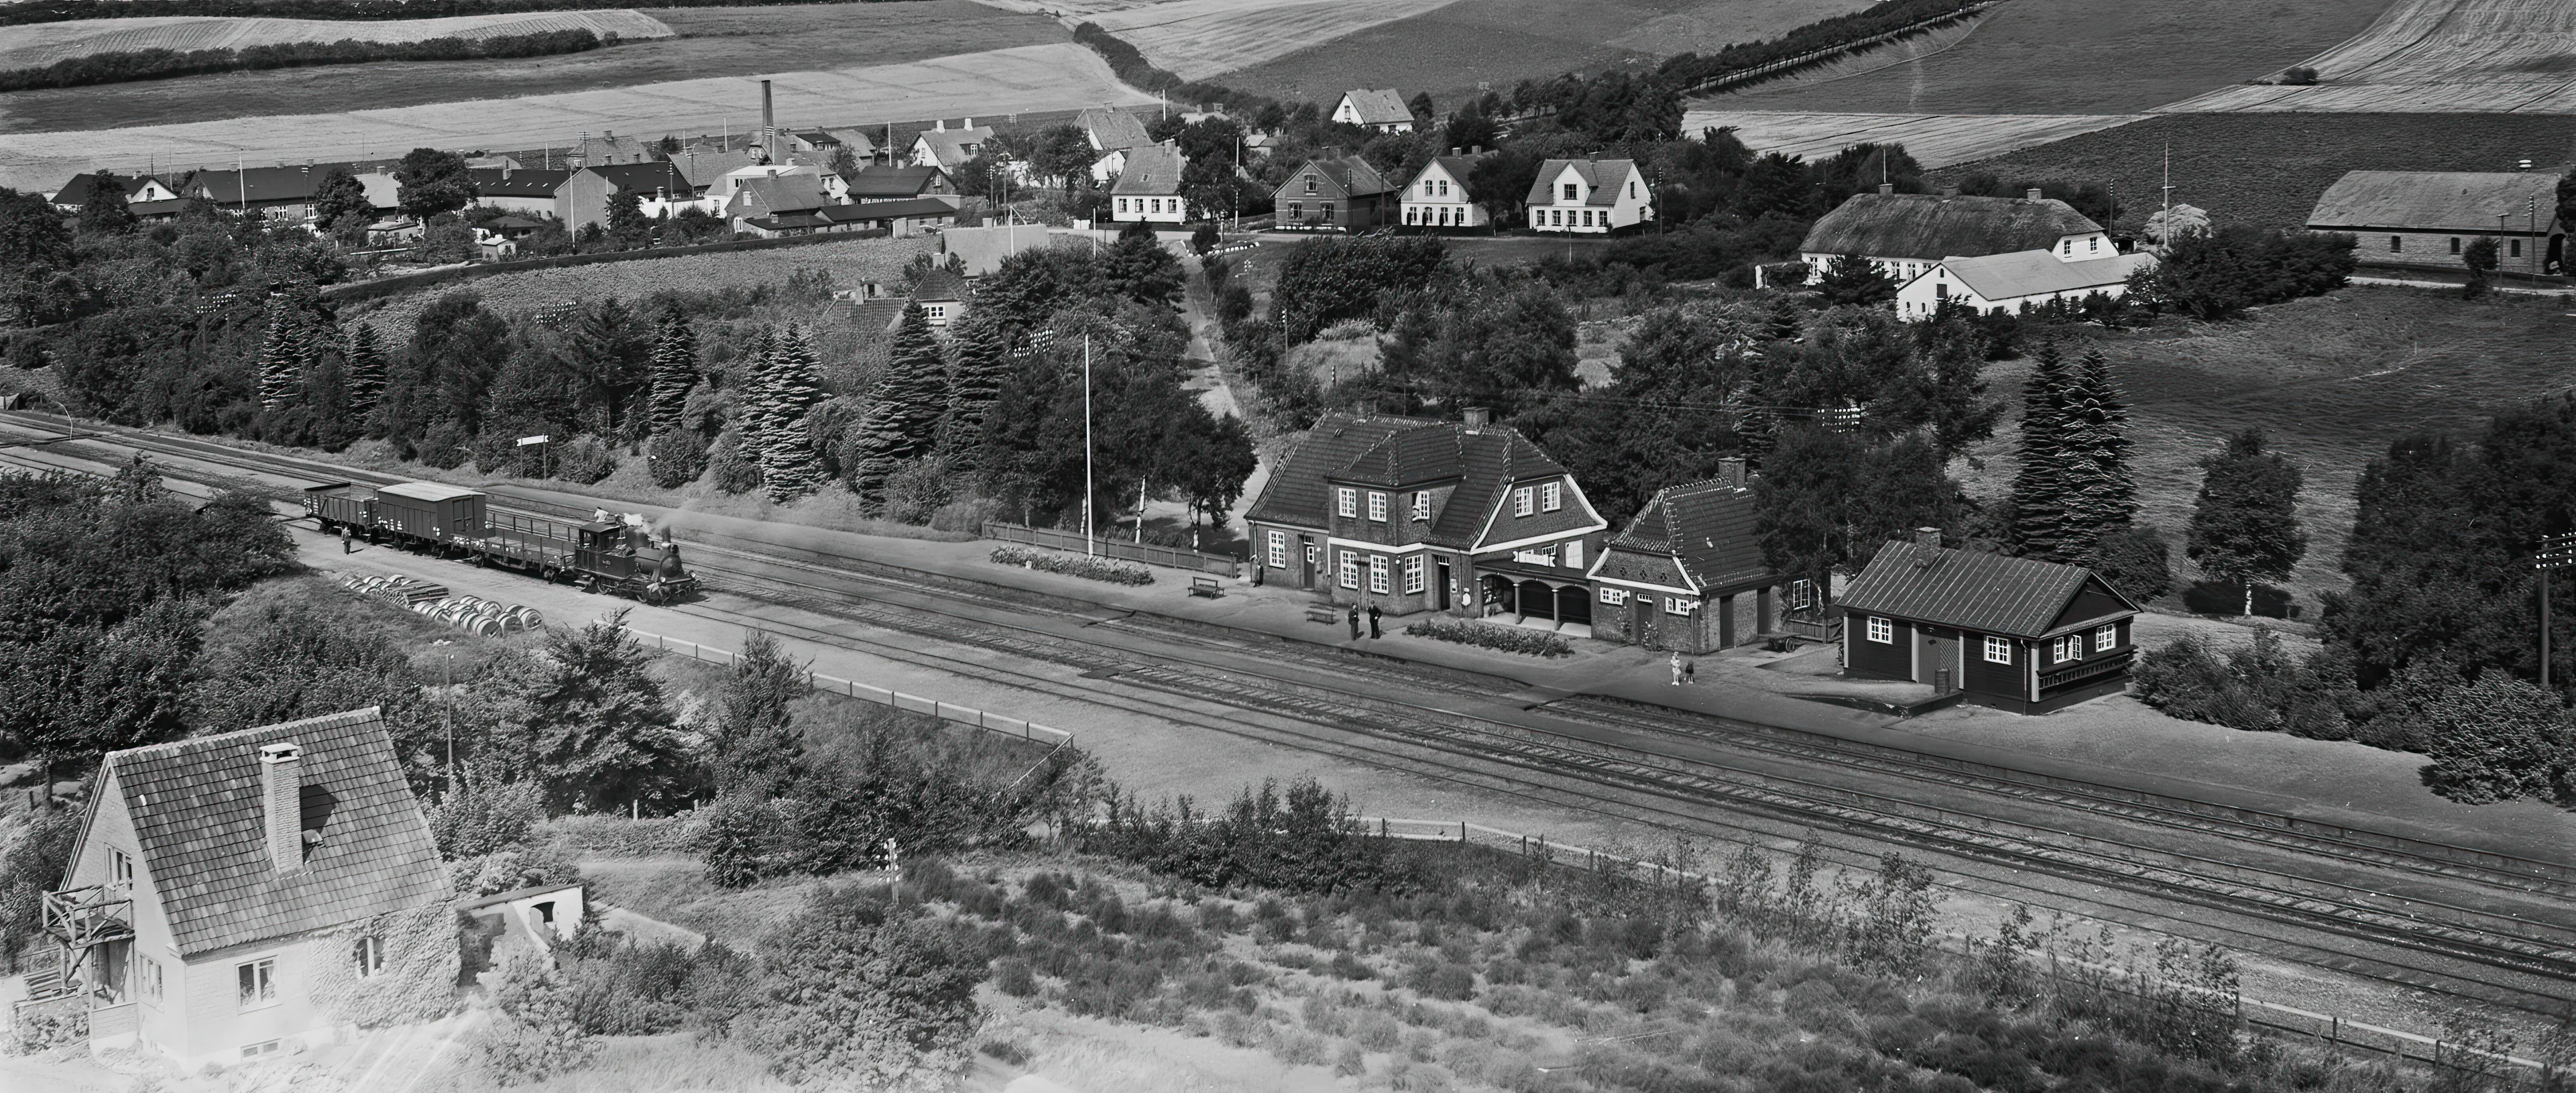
(1444, 980)
(2258, 688)
(1376, 1032)
(485, 815)
(1351, 1062)
(535, 1036)
(676, 457)
(1074, 565)
(512, 869)
(1012, 976)
(863, 993)
(728, 468)
(584, 461)
(2135, 559)
(1346, 966)
(1006, 1051)
(1510, 639)
(2497, 739)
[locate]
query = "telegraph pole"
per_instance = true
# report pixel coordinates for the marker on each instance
(1087, 548)
(2556, 552)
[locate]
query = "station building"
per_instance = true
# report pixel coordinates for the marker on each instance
(2017, 634)
(1687, 574)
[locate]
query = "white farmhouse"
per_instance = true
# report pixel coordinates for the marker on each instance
(1589, 196)
(2010, 282)
(1907, 233)
(1438, 197)
(1381, 109)
(1149, 190)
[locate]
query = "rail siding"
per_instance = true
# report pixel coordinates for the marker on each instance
(848, 688)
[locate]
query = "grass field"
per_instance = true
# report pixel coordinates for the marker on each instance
(1201, 38)
(2464, 55)
(712, 42)
(995, 83)
(2085, 57)
(1934, 140)
(45, 43)
(1501, 42)
(2333, 379)
(2269, 169)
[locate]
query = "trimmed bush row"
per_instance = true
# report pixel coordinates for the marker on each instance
(1510, 639)
(162, 64)
(1074, 565)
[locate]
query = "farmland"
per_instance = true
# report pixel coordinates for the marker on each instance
(1197, 39)
(2435, 55)
(2333, 379)
(2269, 169)
(710, 42)
(2083, 57)
(1934, 140)
(45, 43)
(1501, 42)
(993, 83)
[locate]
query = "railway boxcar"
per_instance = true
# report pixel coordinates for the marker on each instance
(619, 556)
(430, 511)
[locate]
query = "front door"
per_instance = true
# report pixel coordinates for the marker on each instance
(1940, 659)
(1643, 608)
(1306, 561)
(1443, 586)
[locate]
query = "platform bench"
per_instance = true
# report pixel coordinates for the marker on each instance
(1205, 586)
(1323, 613)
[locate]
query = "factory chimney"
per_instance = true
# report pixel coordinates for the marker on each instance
(768, 126)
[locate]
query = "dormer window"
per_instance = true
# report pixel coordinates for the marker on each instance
(1551, 497)
(1524, 501)
(1573, 191)
(1422, 504)
(1349, 500)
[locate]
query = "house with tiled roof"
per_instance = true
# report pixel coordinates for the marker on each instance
(139, 189)
(1590, 196)
(522, 190)
(2016, 282)
(249, 893)
(704, 169)
(879, 182)
(1381, 109)
(1906, 233)
(583, 198)
(1149, 190)
(2014, 633)
(2428, 218)
(608, 150)
(1438, 196)
(1292, 519)
(949, 149)
(1687, 574)
(1343, 194)
(284, 192)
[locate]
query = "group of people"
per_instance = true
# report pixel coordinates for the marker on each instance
(1355, 621)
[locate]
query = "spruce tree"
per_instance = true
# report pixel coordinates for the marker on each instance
(281, 357)
(366, 371)
(979, 355)
(2099, 422)
(751, 397)
(2042, 490)
(675, 370)
(790, 463)
(910, 399)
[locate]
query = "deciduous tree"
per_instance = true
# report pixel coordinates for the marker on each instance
(106, 212)
(429, 182)
(2245, 524)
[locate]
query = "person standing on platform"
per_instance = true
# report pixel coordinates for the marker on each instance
(1690, 671)
(345, 548)
(1355, 622)
(1677, 667)
(1373, 632)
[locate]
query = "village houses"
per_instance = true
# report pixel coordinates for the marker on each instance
(1688, 574)
(1344, 194)
(949, 149)
(1149, 190)
(2428, 218)
(1589, 196)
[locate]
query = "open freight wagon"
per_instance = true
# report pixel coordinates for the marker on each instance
(619, 556)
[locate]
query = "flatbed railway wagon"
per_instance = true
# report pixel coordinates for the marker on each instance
(618, 556)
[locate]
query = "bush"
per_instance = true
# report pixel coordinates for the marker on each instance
(2215, 275)
(676, 457)
(2258, 688)
(584, 461)
(2135, 559)
(485, 816)
(728, 468)
(1301, 841)
(535, 1036)
(1074, 565)
(861, 992)
(2497, 739)
(512, 869)
(1444, 980)
(1510, 639)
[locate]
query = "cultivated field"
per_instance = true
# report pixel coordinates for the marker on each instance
(2085, 57)
(1197, 39)
(1934, 140)
(1908, 50)
(2435, 55)
(994, 83)
(2333, 379)
(45, 43)
(2270, 168)
(1501, 42)
(711, 42)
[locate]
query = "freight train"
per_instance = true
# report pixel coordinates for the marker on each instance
(618, 555)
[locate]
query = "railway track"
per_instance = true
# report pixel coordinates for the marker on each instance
(1664, 767)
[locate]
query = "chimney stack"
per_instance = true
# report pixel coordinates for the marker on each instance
(969, 124)
(1930, 537)
(1731, 469)
(768, 126)
(281, 793)
(1477, 416)
(1887, 187)
(941, 124)
(1453, 151)
(2031, 193)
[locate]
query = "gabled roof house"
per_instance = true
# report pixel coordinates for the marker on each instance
(1149, 190)
(1438, 196)
(2014, 633)
(2429, 218)
(226, 889)
(139, 189)
(1342, 194)
(1589, 196)
(949, 149)
(1687, 574)
(1906, 233)
(1381, 109)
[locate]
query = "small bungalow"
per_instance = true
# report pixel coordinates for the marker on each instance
(1343, 195)
(521, 190)
(2428, 218)
(1381, 110)
(1687, 574)
(2013, 633)
(1438, 197)
(878, 182)
(1149, 190)
(1589, 196)
(2011, 283)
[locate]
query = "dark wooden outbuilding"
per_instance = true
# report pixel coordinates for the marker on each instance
(2013, 633)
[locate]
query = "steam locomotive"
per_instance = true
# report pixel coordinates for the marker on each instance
(609, 554)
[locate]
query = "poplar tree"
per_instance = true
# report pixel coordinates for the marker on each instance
(281, 358)
(675, 370)
(366, 371)
(910, 400)
(979, 355)
(2042, 491)
(790, 463)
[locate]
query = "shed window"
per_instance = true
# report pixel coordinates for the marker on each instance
(1377, 506)
(1349, 499)
(1998, 650)
(257, 983)
(1377, 573)
(2106, 638)
(1882, 630)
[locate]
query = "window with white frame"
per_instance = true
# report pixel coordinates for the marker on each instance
(2106, 638)
(1882, 631)
(1613, 596)
(256, 983)
(2066, 649)
(1350, 500)
(1413, 575)
(1377, 506)
(1524, 501)
(1998, 650)
(147, 978)
(1377, 573)
(1350, 569)
(1422, 504)
(1574, 554)
(1278, 550)
(120, 868)
(1676, 605)
(369, 956)
(1551, 497)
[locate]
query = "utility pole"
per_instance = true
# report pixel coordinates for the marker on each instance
(2556, 552)
(1087, 548)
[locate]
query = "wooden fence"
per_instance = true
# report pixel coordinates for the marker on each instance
(1148, 553)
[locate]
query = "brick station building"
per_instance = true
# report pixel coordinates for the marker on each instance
(1687, 574)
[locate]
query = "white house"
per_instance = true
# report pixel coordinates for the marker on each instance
(1905, 234)
(1438, 197)
(1589, 196)
(1112, 133)
(1382, 109)
(251, 893)
(949, 149)
(2010, 282)
(1149, 190)
(834, 188)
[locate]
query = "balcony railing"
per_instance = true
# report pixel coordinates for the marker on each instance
(82, 917)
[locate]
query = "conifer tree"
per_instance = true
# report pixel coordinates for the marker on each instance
(366, 371)
(2097, 423)
(751, 397)
(979, 354)
(281, 357)
(790, 463)
(675, 370)
(910, 400)
(2042, 490)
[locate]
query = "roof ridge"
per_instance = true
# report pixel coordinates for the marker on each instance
(327, 721)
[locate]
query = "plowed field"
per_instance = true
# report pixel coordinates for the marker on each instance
(2480, 56)
(1934, 140)
(45, 43)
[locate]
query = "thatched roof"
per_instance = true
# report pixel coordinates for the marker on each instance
(2437, 201)
(1931, 227)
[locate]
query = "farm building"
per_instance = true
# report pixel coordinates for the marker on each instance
(949, 149)
(775, 201)
(1344, 194)
(2013, 282)
(1687, 574)
(2013, 633)
(704, 170)
(1149, 190)
(1906, 233)
(1438, 196)
(520, 190)
(583, 198)
(240, 895)
(878, 182)
(2427, 218)
(140, 190)
(1112, 134)
(1382, 110)
(1589, 196)
(1413, 515)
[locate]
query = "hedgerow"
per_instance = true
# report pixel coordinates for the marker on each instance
(1074, 565)
(1510, 639)
(162, 64)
